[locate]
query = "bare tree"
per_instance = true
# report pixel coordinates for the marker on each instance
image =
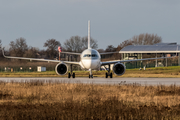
(110, 48)
(100, 50)
(142, 39)
(124, 44)
(146, 39)
(31, 52)
(18, 47)
(73, 44)
(93, 43)
(52, 47)
(78, 44)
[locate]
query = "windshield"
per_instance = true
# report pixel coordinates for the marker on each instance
(90, 55)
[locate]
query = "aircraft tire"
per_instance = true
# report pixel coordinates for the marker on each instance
(106, 75)
(73, 75)
(111, 75)
(90, 76)
(69, 75)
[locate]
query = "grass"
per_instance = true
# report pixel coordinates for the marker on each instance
(173, 71)
(37, 100)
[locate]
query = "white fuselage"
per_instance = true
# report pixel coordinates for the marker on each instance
(90, 59)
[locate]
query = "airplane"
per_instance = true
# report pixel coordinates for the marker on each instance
(89, 59)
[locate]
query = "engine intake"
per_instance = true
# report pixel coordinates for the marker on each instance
(119, 69)
(61, 69)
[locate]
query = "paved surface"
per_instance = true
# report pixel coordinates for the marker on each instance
(142, 81)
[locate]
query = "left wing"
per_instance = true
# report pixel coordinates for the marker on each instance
(113, 62)
(44, 60)
(73, 53)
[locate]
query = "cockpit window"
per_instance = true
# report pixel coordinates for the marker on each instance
(90, 55)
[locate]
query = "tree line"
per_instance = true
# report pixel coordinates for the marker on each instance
(20, 48)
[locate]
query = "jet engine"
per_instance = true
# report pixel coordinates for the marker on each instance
(61, 69)
(119, 69)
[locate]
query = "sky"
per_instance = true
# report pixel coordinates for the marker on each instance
(112, 21)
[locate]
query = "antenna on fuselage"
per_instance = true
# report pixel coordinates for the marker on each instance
(89, 46)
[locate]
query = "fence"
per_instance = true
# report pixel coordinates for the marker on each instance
(148, 64)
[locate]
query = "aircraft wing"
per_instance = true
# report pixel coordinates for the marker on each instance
(72, 53)
(43, 60)
(121, 61)
(107, 53)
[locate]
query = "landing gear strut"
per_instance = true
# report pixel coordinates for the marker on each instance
(109, 73)
(71, 74)
(90, 75)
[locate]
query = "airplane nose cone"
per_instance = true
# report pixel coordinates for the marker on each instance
(86, 64)
(90, 64)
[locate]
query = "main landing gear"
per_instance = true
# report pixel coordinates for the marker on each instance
(109, 73)
(71, 74)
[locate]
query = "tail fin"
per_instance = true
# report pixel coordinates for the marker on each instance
(89, 46)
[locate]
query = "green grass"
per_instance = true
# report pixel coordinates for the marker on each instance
(172, 71)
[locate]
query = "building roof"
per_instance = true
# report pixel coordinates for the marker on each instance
(157, 48)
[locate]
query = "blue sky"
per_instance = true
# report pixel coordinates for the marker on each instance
(112, 21)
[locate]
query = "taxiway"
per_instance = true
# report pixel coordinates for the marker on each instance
(142, 81)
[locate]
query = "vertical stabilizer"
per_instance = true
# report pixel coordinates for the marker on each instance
(89, 35)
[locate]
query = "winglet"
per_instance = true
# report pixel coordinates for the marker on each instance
(3, 51)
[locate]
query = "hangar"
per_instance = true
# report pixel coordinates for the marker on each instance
(151, 51)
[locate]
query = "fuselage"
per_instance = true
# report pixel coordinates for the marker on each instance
(90, 59)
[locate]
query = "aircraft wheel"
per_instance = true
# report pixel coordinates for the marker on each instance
(111, 75)
(106, 75)
(69, 75)
(90, 76)
(73, 75)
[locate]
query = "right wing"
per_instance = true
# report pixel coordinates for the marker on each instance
(107, 53)
(44, 60)
(121, 61)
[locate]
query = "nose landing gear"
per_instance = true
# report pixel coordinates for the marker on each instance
(90, 75)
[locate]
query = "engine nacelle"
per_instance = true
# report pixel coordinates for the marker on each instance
(119, 69)
(61, 69)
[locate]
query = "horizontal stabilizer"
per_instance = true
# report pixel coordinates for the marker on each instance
(73, 53)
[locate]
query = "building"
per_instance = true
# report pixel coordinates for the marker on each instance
(151, 51)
